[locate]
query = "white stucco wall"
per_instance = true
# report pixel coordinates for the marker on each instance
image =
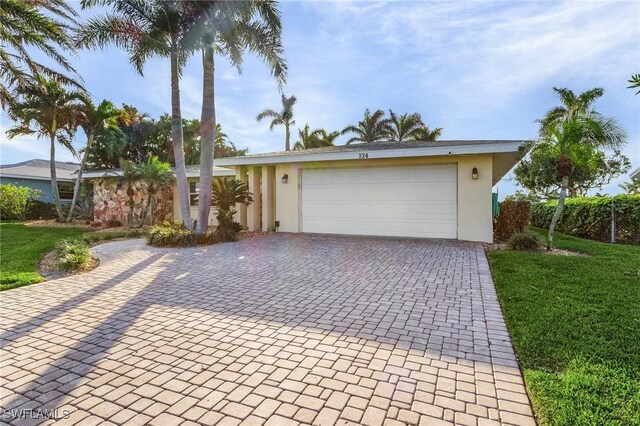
(474, 196)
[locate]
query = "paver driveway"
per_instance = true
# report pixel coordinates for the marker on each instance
(281, 329)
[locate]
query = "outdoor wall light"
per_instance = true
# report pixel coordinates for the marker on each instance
(285, 178)
(474, 173)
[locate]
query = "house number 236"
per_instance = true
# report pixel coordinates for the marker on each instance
(362, 156)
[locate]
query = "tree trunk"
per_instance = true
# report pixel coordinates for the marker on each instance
(54, 178)
(76, 187)
(207, 138)
(178, 143)
(558, 212)
(287, 137)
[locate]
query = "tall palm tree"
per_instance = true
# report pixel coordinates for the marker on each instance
(632, 187)
(144, 29)
(314, 139)
(404, 127)
(570, 129)
(94, 121)
(33, 24)
(155, 174)
(284, 117)
(46, 109)
(228, 28)
(373, 128)
(425, 134)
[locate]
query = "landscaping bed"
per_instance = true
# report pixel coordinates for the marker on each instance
(575, 324)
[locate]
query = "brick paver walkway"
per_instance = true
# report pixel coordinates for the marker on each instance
(279, 329)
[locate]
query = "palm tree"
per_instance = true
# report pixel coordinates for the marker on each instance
(95, 121)
(46, 109)
(282, 118)
(373, 128)
(404, 127)
(635, 83)
(130, 175)
(314, 139)
(632, 187)
(427, 135)
(154, 173)
(570, 129)
(226, 193)
(229, 28)
(145, 29)
(29, 24)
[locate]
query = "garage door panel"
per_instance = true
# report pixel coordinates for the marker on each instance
(414, 201)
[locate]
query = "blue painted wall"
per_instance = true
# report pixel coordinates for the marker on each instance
(42, 185)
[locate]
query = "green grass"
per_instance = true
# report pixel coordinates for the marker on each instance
(21, 248)
(575, 324)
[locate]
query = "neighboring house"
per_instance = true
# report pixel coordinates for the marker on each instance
(110, 198)
(36, 174)
(635, 174)
(407, 189)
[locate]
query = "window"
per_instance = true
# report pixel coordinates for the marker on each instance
(193, 193)
(65, 190)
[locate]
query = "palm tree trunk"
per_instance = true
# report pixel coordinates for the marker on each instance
(76, 187)
(556, 215)
(207, 138)
(287, 136)
(54, 178)
(178, 143)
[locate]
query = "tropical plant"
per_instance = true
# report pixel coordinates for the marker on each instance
(425, 134)
(635, 83)
(317, 138)
(145, 29)
(130, 175)
(94, 120)
(172, 234)
(567, 131)
(632, 187)
(46, 109)
(284, 117)
(27, 25)
(73, 255)
(524, 241)
(373, 128)
(224, 147)
(536, 171)
(226, 193)
(404, 127)
(154, 173)
(15, 199)
(83, 209)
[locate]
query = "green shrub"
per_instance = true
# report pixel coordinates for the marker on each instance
(72, 255)
(590, 217)
(227, 229)
(524, 241)
(174, 234)
(514, 217)
(94, 237)
(15, 199)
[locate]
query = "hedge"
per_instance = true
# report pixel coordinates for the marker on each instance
(514, 217)
(590, 217)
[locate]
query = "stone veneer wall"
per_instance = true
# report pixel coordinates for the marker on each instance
(110, 202)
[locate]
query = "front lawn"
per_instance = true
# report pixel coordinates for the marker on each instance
(21, 248)
(575, 324)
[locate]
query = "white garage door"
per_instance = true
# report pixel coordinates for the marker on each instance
(409, 201)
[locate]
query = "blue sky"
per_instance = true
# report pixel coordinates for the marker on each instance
(480, 70)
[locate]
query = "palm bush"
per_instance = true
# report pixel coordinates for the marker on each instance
(226, 193)
(173, 234)
(525, 241)
(73, 255)
(83, 209)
